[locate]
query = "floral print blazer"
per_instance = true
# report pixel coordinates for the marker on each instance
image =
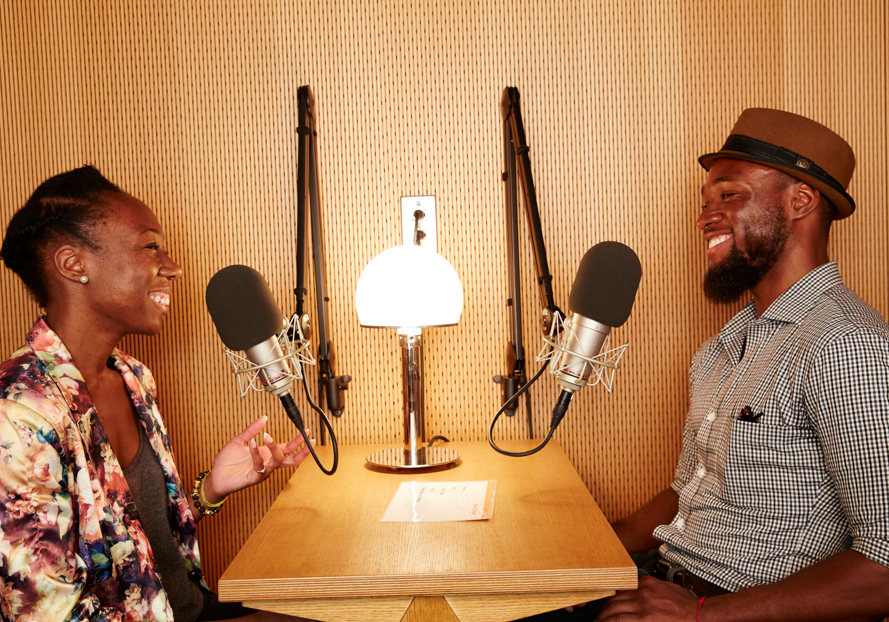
(72, 547)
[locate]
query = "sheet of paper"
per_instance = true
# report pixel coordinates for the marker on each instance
(417, 502)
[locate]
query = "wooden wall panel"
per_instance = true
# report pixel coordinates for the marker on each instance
(839, 60)
(190, 105)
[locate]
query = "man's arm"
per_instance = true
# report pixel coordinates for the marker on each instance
(635, 531)
(847, 587)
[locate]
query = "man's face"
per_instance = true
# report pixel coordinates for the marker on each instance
(745, 226)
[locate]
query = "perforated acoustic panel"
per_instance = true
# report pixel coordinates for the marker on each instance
(190, 106)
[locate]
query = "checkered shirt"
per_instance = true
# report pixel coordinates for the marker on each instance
(805, 474)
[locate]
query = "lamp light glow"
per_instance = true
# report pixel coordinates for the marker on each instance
(409, 286)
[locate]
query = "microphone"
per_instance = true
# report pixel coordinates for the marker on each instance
(248, 319)
(601, 298)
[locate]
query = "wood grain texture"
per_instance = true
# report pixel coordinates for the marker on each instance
(426, 608)
(488, 608)
(345, 610)
(502, 608)
(323, 537)
(190, 105)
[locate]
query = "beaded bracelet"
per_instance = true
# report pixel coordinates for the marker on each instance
(200, 502)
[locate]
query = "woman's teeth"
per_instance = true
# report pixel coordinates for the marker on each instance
(161, 299)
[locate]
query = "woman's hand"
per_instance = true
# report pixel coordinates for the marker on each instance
(241, 463)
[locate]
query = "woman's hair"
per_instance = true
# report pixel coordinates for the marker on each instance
(64, 208)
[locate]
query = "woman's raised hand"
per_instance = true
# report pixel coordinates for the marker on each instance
(242, 463)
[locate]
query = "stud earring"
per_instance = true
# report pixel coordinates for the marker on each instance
(84, 279)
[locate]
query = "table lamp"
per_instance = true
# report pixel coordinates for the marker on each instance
(410, 288)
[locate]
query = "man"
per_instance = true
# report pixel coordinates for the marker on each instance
(780, 505)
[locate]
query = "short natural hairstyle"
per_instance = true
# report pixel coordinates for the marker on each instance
(64, 208)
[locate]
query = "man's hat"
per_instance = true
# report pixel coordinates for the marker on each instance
(794, 145)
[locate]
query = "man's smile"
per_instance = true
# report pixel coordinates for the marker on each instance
(719, 239)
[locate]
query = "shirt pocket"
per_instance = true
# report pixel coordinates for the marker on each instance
(775, 470)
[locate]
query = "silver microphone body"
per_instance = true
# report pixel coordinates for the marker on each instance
(276, 378)
(586, 338)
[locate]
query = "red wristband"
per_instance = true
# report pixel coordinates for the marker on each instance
(700, 604)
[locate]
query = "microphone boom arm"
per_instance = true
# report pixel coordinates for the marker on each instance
(515, 349)
(330, 386)
(517, 164)
(517, 147)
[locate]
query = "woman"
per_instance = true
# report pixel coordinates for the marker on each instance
(95, 523)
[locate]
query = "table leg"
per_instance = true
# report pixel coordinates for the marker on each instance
(427, 608)
(477, 608)
(505, 607)
(339, 609)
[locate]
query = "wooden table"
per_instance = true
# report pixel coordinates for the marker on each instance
(322, 552)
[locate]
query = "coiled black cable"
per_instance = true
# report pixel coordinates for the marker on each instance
(295, 416)
(517, 394)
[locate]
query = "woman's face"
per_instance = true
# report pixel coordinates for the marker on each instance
(130, 278)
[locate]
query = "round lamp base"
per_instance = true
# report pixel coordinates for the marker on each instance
(425, 457)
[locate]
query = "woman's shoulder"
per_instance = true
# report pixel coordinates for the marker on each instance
(25, 384)
(20, 371)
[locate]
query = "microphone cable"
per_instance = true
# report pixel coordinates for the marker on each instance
(553, 425)
(295, 416)
(326, 422)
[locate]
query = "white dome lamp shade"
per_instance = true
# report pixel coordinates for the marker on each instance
(410, 288)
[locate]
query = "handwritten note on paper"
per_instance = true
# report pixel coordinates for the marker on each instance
(420, 502)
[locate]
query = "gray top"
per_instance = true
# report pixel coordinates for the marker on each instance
(146, 481)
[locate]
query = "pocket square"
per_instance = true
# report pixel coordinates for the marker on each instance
(748, 415)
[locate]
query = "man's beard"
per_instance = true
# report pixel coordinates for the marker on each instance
(739, 272)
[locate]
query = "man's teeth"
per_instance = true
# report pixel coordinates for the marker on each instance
(719, 240)
(161, 299)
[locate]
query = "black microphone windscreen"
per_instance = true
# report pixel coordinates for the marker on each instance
(242, 307)
(605, 286)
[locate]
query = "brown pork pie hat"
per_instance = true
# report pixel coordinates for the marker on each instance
(794, 145)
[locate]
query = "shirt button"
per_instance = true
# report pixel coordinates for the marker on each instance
(701, 472)
(680, 523)
(711, 417)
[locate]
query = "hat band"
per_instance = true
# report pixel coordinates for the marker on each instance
(772, 154)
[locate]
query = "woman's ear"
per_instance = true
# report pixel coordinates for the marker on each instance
(68, 262)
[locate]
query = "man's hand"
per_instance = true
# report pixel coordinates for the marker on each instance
(654, 601)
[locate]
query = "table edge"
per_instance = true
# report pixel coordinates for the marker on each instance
(511, 582)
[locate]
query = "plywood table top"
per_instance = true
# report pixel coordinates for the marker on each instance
(322, 543)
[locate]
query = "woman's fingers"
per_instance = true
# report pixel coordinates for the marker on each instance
(276, 456)
(256, 456)
(251, 430)
(295, 458)
(267, 459)
(296, 443)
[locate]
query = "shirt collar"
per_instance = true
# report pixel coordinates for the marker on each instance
(56, 361)
(794, 304)
(790, 307)
(48, 346)
(732, 334)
